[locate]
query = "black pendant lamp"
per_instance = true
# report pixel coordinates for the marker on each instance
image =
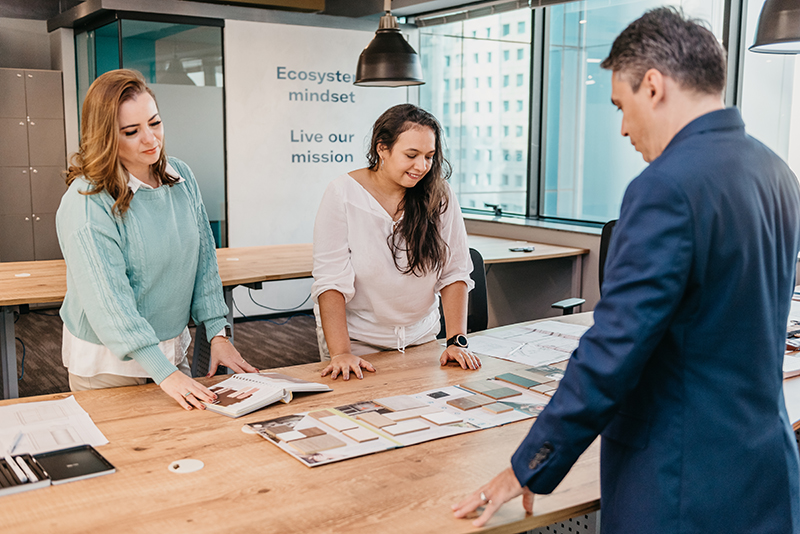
(778, 28)
(388, 60)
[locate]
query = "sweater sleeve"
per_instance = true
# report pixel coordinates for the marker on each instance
(208, 301)
(458, 265)
(92, 249)
(333, 268)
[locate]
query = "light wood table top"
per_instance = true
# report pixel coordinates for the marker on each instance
(496, 250)
(35, 282)
(249, 485)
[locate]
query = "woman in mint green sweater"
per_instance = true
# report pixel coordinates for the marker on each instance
(139, 251)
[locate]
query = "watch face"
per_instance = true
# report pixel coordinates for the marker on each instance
(461, 341)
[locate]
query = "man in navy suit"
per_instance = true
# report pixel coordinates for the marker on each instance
(681, 372)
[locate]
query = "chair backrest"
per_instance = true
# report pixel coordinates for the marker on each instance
(477, 305)
(201, 356)
(605, 241)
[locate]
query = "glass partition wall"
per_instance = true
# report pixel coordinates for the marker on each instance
(183, 65)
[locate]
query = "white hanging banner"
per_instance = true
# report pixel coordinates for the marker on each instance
(295, 121)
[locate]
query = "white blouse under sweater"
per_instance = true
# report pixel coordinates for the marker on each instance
(384, 307)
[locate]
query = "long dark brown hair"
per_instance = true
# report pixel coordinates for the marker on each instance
(417, 233)
(97, 159)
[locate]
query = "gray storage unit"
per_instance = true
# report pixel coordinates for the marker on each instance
(32, 163)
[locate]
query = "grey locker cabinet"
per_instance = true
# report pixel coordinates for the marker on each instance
(32, 163)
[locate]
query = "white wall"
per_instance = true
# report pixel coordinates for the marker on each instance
(273, 199)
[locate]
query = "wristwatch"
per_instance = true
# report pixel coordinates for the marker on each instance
(225, 333)
(459, 340)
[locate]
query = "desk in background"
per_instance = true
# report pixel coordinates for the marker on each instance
(37, 282)
(249, 485)
(249, 266)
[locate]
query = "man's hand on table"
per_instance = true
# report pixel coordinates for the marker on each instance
(493, 495)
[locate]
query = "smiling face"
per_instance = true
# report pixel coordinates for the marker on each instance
(637, 116)
(141, 134)
(410, 158)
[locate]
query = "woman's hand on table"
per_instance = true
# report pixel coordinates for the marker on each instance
(187, 391)
(344, 364)
(224, 353)
(492, 496)
(464, 357)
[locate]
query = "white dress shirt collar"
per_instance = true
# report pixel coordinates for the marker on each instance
(134, 183)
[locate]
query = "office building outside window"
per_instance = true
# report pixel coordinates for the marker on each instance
(587, 163)
(442, 40)
(580, 166)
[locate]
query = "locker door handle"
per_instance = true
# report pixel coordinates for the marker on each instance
(33, 123)
(35, 171)
(38, 218)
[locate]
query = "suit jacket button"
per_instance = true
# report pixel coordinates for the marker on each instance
(541, 456)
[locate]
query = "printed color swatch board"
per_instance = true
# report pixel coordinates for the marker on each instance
(335, 434)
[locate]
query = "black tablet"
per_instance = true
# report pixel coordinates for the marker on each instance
(75, 463)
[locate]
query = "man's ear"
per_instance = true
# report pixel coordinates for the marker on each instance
(653, 82)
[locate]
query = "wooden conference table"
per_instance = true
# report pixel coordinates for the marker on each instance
(249, 485)
(37, 282)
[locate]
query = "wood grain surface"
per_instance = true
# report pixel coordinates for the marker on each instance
(496, 250)
(249, 485)
(36, 282)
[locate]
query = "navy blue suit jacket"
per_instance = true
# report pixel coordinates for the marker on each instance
(681, 372)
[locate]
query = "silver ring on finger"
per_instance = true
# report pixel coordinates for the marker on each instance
(484, 499)
(186, 395)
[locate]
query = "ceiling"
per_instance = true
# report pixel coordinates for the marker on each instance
(47, 9)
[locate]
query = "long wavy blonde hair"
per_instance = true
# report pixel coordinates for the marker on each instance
(97, 159)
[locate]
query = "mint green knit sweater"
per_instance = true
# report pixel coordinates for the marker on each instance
(133, 281)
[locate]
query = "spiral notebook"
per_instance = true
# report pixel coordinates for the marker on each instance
(247, 392)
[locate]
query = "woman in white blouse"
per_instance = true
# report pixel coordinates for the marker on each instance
(388, 239)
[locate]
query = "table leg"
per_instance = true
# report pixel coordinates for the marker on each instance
(228, 292)
(8, 354)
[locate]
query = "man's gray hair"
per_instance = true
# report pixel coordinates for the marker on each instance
(678, 47)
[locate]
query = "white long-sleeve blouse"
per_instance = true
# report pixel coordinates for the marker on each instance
(351, 255)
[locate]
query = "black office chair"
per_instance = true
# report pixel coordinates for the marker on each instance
(477, 305)
(569, 305)
(201, 356)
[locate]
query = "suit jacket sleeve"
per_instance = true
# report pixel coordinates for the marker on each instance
(646, 275)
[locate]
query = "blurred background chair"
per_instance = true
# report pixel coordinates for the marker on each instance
(568, 305)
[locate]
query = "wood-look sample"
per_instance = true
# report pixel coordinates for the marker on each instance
(312, 431)
(403, 415)
(360, 434)
(375, 419)
(292, 435)
(400, 402)
(406, 427)
(497, 408)
(338, 423)
(442, 418)
(317, 444)
(464, 403)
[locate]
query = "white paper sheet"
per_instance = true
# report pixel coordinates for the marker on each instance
(48, 426)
